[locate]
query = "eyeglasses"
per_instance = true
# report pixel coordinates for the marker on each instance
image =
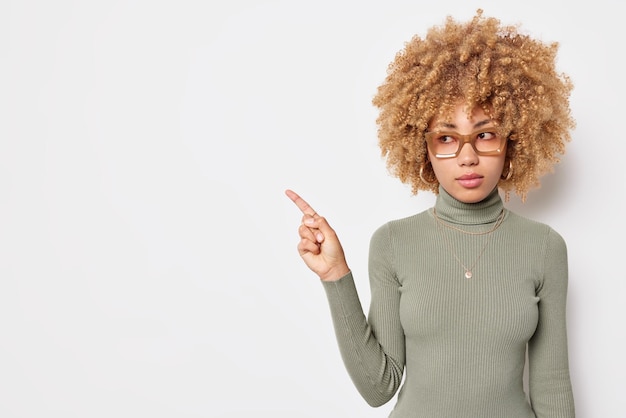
(448, 144)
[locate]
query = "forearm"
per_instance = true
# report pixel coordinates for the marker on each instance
(376, 374)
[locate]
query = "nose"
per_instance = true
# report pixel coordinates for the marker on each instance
(467, 156)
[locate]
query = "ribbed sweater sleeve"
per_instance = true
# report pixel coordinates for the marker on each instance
(374, 358)
(549, 381)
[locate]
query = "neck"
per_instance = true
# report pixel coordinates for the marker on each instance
(454, 211)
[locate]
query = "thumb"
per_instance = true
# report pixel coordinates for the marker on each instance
(314, 224)
(324, 230)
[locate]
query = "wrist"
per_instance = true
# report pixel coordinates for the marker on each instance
(335, 273)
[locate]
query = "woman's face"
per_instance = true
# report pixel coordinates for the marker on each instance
(468, 177)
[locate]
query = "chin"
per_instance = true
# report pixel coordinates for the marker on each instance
(471, 195)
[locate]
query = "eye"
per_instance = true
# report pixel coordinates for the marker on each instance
(486, 136)
(446, 138)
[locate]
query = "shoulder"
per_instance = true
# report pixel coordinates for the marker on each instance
(535, 229)
(397, 228)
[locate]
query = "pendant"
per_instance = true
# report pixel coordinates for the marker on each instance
(468, 274)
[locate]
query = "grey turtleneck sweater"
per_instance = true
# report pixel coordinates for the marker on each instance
(460, 343)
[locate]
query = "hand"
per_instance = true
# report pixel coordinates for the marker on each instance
(319, 246)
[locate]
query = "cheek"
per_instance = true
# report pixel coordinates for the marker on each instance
(496, 168)
(434, 161)
(441, 166)
(501, 162)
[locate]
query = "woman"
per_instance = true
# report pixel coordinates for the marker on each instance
(461, 291)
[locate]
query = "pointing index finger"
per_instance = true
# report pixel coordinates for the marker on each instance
(300, 203)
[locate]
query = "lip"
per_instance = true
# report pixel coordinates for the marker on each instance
(470, 180)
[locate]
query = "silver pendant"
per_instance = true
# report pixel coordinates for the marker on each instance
(468, 274)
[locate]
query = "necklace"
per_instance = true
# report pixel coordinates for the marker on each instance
(495, 225)
(468, 270)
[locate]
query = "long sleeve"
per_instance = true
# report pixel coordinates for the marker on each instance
(549, 381)
(372, 351)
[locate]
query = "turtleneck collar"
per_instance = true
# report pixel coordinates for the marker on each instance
(454, 211)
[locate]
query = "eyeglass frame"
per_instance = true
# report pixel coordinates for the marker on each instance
(466, 139)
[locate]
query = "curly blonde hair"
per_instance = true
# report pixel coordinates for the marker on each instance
(511, 76)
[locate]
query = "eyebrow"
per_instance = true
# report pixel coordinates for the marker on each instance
(477, 125)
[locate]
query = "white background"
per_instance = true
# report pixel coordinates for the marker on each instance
(148, 263)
